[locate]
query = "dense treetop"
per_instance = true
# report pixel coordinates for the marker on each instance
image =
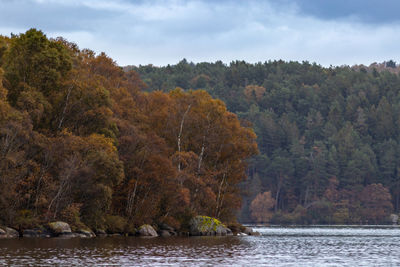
(328, 137)
(81, 142)
(85, 141)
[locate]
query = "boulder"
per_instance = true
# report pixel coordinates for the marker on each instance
(248, 230)
(221, 230)
(68, 235)
(165, 233)
(85, 233)
(204, 226)
(114, 234)
(101, 232)
(235, 228)
(3, 233)
(229, 232)
(165, 226)
(165, 230)
(147, 230)
(11, 233)
(36, 232)
(59, 228)
(394, 218)
(6, 232)
(30, 233)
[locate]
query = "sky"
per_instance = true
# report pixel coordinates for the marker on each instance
(161, 32)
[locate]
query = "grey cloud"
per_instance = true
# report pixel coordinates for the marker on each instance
(165, 31)
(51, 16)
(366, 11)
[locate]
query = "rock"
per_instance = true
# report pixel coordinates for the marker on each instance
(30, 233)
(166, 230)
(74, 234)
(165, 233)
(235, 228)
(6, 232)
(204, 226)
(37, 232)
(248, 231)
(101, 232)
(68, 235)
(59, 228)
(131, 230)
(229, 232)
(85, 233)
(11, 233)
(147, 230)
(221, 230)
(80, 235)
(114, 234)
(394, 218)
(173, 233)
(165, 226)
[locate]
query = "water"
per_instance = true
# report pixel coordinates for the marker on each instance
(317, 246)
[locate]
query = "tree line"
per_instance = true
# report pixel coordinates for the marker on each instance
(82, 141)
(329, 137)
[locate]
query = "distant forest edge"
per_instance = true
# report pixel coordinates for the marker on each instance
(82, 143)
(328, 137)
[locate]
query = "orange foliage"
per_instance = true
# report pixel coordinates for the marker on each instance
(254, 92)
(82, 137)
(376, 202)
(261, 207)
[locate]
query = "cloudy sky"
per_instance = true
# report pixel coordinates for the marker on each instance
(160, 32)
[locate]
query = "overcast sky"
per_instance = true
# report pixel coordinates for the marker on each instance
(133, 32)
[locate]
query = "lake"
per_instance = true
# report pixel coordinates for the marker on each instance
(277, 246)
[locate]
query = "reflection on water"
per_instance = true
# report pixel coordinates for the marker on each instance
(276, 247)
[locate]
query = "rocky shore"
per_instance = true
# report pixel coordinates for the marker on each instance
(198, 226)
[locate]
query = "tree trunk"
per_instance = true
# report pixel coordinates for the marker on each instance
(278, 190)
(219, 195)
(180, 136)
(65, 108)
(131, 200)
(203, 145)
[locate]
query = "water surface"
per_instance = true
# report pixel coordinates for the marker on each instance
(316, 246)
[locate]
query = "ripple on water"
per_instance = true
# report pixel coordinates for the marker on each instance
(276, 247)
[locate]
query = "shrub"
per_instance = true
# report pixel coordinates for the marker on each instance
(115, 224)
(25, 219)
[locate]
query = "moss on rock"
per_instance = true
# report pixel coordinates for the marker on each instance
(204, 225)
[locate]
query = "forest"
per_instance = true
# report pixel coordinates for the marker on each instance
(329, 137)
(97, 145)
(84, 141)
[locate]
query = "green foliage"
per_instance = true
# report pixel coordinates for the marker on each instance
(312, 124)
(76, 128)
(37, 61)
(25, 219)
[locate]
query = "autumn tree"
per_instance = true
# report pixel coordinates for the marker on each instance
(376, 203)
(35, 70)
(261, 207)
(209, 146)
